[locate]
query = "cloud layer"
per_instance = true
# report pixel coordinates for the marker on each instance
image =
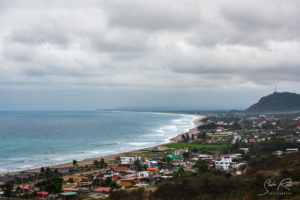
(158, 47)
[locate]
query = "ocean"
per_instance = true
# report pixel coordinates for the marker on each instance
(32, 139)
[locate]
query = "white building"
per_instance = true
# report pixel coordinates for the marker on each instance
(145, 174)
(246, 150)
(204, 156)
(225, 163)
(236, 138)
(292, 150)
(1, 194)
(128, 160)
(236, 155)
(220, 129)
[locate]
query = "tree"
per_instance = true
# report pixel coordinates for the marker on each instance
(42, 170)
(48, 172)
(95, 163)
(75, 162)
(186, 155)
(137, 165)
(246, 157)
(8, 187)
(71, 180)
(183, 138)
(51, 185)
(203, 135)
(108, 182)
(187, 137)
(179, 172)
(102, 162)
(201, 166)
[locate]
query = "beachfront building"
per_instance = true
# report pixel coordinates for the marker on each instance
(129, 160)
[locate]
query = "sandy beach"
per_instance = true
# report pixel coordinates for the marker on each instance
(112, 158)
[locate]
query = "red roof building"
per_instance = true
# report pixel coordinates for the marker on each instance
(131, 179)
(211, 140)
(220, 129)
(70, 189)
(152, 169)
(127, 182)
(26, 187)
(103, 189)
(197, 139)
(42, 195)
(114, 178)
(121, 168)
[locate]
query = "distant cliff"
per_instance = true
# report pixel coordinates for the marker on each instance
(277, 102)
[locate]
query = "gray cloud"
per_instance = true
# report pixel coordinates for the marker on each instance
(151, 16)
(160, 48)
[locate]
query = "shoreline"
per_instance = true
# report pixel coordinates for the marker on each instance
(112, 157)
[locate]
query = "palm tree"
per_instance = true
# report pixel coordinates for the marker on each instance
(75, 162)
(186, 155)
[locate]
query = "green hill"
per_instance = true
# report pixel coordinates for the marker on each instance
(277, 102)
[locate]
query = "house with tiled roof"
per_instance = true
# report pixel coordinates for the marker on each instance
(121, 168)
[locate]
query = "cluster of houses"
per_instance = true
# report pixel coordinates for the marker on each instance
(128, 171)
(288, 150)
(254, 134)
(124, 174)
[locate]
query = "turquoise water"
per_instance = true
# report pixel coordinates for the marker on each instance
(34, 139)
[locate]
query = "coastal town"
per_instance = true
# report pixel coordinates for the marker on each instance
(149, 100)
(227, 144)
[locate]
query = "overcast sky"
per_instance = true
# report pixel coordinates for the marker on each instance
(101, 54)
